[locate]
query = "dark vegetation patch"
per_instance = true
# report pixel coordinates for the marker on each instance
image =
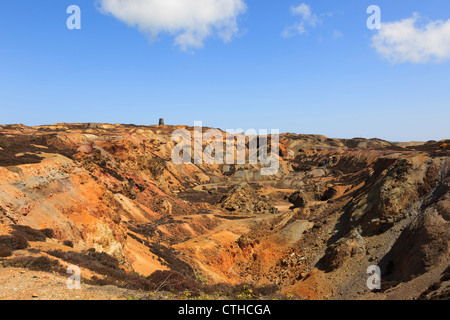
(18, 239)
(111, 172)
(14, 242)
(68, 243)
(34, 263)
(171, 260)
(22, 149)
(5, 251)
(107, 266)
(328, 194)
(147, 230)
(101, 263)
(167, 256)
(150, 230)
(200, 196)
(234, 217)
(32, 234)
(207, 195)
(158, 203)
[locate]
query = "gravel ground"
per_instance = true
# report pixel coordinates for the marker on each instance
(22, 284)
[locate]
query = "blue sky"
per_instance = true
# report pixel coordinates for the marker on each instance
(330, 79)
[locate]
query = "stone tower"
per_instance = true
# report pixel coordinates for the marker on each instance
(161, 121)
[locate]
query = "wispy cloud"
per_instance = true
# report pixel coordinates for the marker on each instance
(307, 20)
(191, 22)
(337, 34)
(414, 40)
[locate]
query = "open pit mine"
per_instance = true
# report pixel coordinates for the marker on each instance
(107, 202)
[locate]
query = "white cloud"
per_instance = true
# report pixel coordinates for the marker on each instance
(412, 40)
(307, 20)
(304, 11)
(190, 21)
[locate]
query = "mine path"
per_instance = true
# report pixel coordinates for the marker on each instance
(235, 222)
(282, 205)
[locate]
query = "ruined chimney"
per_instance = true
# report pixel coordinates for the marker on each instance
(161, 121)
